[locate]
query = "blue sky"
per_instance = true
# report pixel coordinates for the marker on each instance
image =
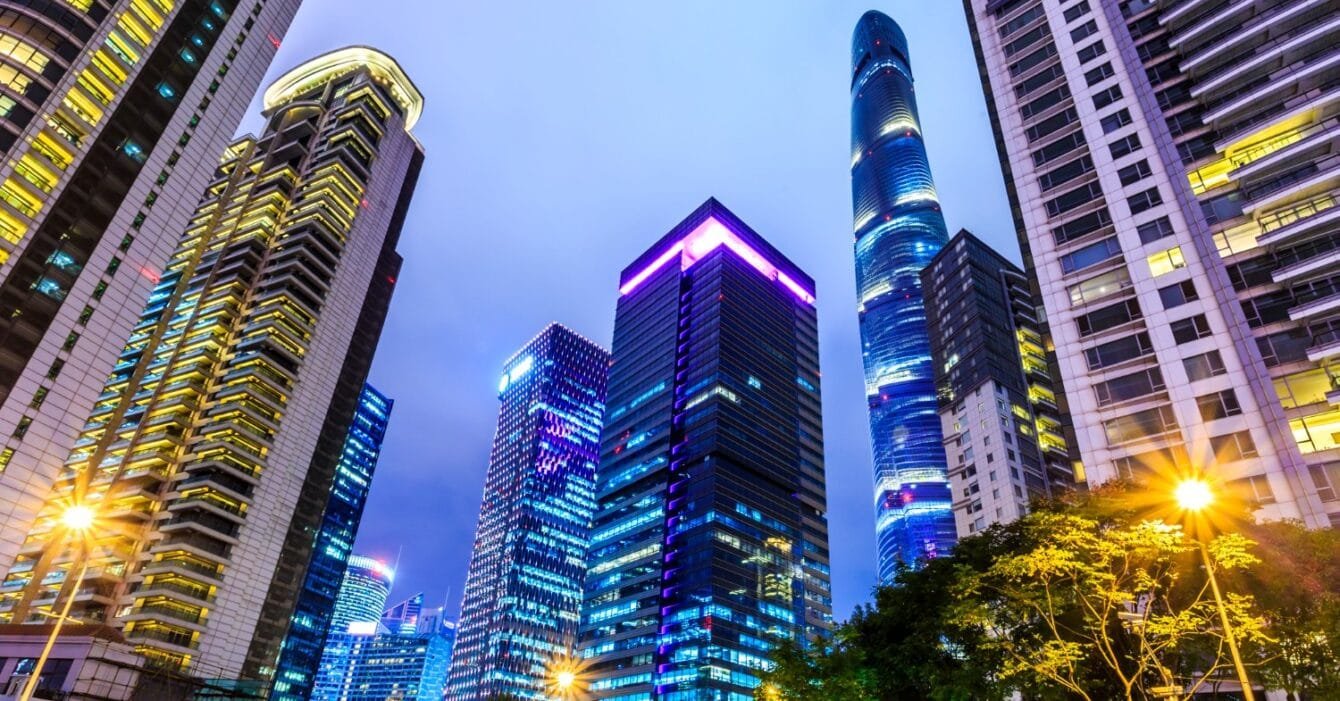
(565, 138)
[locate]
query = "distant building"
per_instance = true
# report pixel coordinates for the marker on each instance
(998, 408)
(710, 538)
(404, 616)
(523, 591)
(382, 666)
(355, 462)
(362, 598)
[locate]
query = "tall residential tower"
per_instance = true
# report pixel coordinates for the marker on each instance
(710, 539)
(112, 116)
(899, 228)
(523, 591)
(205, 445)
(1172, 167)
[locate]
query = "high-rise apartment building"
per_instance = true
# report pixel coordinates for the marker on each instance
(1171, 168)
(383, 665)
(112, 116)
(208, 440)
(899, 228)
(523, 591)
(318, 611)
(710, 538)
(999, 411)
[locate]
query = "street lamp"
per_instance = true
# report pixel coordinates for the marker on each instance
(77, 520)
(1195, 496)
(565, 680)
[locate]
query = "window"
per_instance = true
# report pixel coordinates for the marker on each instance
(1190, 329)
(1091, 51)
(56, 366)
(1233, 447)
(1128, 387)
(70, 339)
(85, 315)
(1081, 226)
(1254, 490)
(1023, 20)
(1097, 75)
(21, 428)
(1090, 255)
(1124, 146)
(1218, 405)
(1098, 287)
(1116, 120)
(1107, 97)
(1154, 230)
(1142, 201)
(1165, 261)
(113, 265)
(1058, 148)
(125, 243)
(5, 456)
(38, 397)
(1024, 41)
(1032, 60)
(1178, 294)
(1065, 173)
(100, 290)
(1077, 11)
(1141, 424)
(1084, 31)
(1152, 463)
(1045, 101)
(1199, 367)
(1134, 173)
(1108, 317)
(1325, 477)
(1118, 351)
(1072, 199)
(1051, 124)
(1039, 79)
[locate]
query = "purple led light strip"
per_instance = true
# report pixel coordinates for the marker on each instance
(707, 238)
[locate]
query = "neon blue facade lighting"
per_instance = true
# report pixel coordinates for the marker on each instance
(899, 228)
(523, 591)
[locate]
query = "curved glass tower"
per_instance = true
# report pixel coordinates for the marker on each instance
(899, 229)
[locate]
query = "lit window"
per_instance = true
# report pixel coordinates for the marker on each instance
(1166, 261)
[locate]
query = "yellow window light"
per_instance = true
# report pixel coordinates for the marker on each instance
(82, 107)
(53, 150)
(103, 61)
(19, 198)
(37, 174)
(1166, 261)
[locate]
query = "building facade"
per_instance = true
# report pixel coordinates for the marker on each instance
(710, 536)
(204, 447)
(112, 115)
(998, 408)
(318, 609)
(362, 594)
(1172, 170)
(899, 228)
(382, 666)
(523, 591)
(404, 616)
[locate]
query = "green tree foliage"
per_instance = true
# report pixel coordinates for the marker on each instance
(1086, 599)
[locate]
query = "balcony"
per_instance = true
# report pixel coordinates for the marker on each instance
(1298, 77)
(1322, 305)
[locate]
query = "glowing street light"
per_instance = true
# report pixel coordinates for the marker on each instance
(1195, 496)
(77, 518)
(78, 521)
(565, 680)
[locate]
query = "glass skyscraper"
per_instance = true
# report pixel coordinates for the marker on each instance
(317, 611)
(899, 229)
(377, 666)
(710, 538)
(363, 591)
(523, 591)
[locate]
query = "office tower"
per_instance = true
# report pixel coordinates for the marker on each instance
(998, 407)
(523, 591)
(1170, 166)
(318, 610)
(899, 228)
(208, 439)
(404, 616)
(379, 666)
(362, 594)
(710, 538)
(112, 115)
(435, 620)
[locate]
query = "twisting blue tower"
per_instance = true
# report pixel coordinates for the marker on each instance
(899, 228)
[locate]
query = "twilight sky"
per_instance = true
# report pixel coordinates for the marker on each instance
(565, 138)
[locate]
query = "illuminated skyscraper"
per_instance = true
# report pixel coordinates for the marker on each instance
(523, 591)
(318, 610)
(404, 616)
(363, 591)
(899, 229)
(112, 113)
(710, 537)
(206, 446)
(381, 666)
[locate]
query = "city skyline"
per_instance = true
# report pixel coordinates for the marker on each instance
(436, 385)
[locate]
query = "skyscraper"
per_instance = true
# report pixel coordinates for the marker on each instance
(248, 359)
(112, 115)
(999, 409)
(899, 228)
(362, 594)
(1171, 168)
(403, 617)
(381, 665)
(710, 536)
(316, 613)
(523, 591)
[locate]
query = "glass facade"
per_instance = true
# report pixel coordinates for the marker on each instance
(319, 609)
(382, 666)
(710, 538)
(523, 590)
(899, 229)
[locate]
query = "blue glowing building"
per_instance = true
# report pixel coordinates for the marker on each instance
(379, 665)
(318, 599)
(523, 591)
(899, 229)
(710, 539)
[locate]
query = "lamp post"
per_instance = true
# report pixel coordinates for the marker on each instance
(1194, 496)
(77, 520)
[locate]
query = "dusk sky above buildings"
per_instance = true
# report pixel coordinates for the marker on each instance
(562, 140)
